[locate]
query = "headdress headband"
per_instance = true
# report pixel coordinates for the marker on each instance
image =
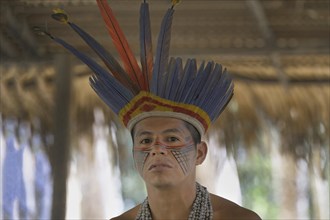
(161, 86)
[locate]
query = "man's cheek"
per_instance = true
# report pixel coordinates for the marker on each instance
(140, 158)
(184, 158)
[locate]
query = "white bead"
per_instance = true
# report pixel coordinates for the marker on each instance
(201, 208)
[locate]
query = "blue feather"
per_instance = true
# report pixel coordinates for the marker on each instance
(107, 58)
(163, 48)
(190, 80)
(211, 82)
(102, 78)
(188, 74)
(220, 97)
(164, 79)
(195, 83)
(198, 83)
(170, 78)
(176, 82)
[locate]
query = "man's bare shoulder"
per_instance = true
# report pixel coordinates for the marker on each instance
(225, 209)
(128, 215)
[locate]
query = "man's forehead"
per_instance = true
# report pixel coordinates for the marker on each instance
(153, 121)
(160, 125)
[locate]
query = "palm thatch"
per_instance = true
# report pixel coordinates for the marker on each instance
(280, 66)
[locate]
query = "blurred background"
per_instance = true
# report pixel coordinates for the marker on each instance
(65, 155)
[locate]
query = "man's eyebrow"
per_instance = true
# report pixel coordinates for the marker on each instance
(170, 130)
(140, 133)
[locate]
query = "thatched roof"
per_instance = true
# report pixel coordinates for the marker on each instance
(277, 52)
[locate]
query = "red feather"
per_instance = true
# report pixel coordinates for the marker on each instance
(119, 40)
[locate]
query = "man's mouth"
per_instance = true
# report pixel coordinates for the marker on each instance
(156, 166)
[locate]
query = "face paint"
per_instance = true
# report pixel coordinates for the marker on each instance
(182, 156)
(140, 157)
(180, 153)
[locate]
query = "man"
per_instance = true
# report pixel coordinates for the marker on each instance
(167, 108)
(170, 181)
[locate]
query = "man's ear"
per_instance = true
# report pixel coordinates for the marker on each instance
(201, 152)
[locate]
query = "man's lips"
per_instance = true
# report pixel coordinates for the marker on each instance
(159, 166)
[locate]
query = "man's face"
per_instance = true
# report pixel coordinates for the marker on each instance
(164, 150)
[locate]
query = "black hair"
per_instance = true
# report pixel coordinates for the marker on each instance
(194, 133)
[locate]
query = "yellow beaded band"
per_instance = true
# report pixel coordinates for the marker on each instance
(146, 105)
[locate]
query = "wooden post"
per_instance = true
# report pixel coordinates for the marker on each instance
(60, 149)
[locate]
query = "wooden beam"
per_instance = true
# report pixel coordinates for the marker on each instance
(306, 81)
(60, 150)
(263, 24)
(262, 21)
(7, 47)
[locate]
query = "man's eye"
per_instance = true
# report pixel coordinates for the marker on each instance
(172, 139)
(145, 141)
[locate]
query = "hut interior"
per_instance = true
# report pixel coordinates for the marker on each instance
(64, 154)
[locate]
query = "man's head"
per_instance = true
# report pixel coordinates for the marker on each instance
(167, 149)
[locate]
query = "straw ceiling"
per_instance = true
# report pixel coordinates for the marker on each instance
(276, 50)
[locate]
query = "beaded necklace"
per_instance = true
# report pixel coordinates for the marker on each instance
(201, 208)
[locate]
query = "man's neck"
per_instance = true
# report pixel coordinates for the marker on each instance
(171, 202)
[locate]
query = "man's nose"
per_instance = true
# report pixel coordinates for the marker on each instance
(158, 148)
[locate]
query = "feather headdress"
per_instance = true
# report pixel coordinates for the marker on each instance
(162, 86)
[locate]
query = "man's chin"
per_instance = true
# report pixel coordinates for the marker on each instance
(161, 183)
